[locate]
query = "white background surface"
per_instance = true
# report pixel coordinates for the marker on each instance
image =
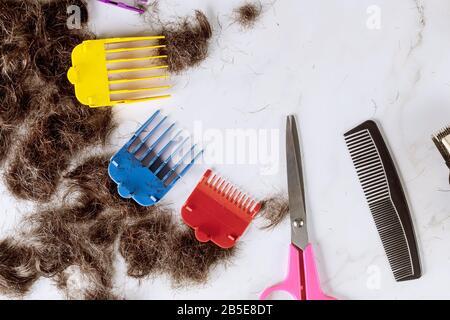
(319, 60)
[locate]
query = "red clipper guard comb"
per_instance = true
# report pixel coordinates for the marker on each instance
(218, 211)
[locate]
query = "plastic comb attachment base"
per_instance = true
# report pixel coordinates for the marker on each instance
(106, 72)
(141, 168)
(218, 211)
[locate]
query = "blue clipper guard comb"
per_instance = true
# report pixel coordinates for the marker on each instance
(139, 167)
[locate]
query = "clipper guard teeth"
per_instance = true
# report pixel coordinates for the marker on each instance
(149, 164)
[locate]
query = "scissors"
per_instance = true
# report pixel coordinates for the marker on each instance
(302, 281)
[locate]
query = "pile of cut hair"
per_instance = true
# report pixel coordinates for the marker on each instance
(43, 130)
(74, 244)
(42, 124)
(81, 223)
(274, 210)
(247, 14)
(187, 42)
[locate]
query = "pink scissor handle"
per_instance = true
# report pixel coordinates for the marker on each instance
(306, 289)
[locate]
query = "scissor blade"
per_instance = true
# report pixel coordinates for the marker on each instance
(296, 191)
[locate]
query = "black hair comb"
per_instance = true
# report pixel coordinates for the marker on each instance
(387, 201)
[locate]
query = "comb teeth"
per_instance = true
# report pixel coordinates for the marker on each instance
(142, 170)
(140, 84)
(176, 147)
(384, 194)
(232, 193)
(442, 142)
(368, 166)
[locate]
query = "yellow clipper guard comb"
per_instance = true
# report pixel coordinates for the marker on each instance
(107, 72)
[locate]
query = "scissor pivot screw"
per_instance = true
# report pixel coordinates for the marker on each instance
(298, 223)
